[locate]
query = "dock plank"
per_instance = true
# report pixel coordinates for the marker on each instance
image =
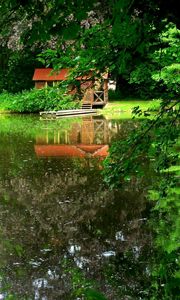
(69, 112)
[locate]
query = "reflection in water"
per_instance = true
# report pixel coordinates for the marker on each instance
(57, 216)
(90, 138)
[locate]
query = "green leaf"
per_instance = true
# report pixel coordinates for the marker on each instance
(92, 294)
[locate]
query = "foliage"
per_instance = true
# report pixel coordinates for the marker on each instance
(127, 38)
(154, 146)
(143, 68)
(16, 68)
(37, 100)
(159, 70)
(169, 76)
(155, 134)
(165, 222)
(17, 72)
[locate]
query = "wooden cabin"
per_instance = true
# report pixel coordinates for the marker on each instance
(95, 91)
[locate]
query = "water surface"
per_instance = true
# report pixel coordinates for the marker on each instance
(61, 227)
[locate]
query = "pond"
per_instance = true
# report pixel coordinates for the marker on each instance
(63, 232)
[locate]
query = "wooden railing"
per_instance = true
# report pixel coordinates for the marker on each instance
(98, 97)
(92, 97)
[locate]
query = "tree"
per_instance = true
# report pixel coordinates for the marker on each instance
(91, 34)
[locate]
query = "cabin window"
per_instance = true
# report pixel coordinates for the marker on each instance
(50, 83)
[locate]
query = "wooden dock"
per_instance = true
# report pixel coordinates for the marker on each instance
(67, 113)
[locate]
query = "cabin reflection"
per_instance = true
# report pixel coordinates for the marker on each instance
(90, 137)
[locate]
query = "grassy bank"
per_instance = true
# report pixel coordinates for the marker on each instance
(54, 99)
(123, 109)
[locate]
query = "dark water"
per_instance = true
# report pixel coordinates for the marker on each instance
(63, 233)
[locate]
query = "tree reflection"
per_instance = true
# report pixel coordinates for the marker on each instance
(55, 210)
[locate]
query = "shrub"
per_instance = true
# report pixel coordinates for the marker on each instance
(38, 100)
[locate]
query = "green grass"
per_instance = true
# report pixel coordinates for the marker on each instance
(123, 109)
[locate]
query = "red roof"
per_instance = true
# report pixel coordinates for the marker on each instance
(49, 75)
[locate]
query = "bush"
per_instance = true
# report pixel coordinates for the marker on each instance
(38, 100)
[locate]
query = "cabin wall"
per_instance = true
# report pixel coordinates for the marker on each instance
(86, 85)
(40, 84)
